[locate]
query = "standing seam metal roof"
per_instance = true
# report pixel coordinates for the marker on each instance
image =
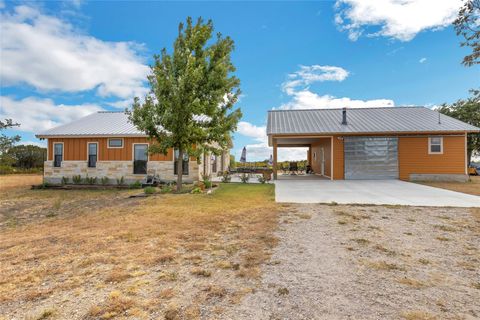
(102, 123)
(363, 120)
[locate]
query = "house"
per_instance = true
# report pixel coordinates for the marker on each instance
(106, 144)
(407, 143)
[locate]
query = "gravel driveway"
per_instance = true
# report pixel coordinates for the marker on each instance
(347, 262)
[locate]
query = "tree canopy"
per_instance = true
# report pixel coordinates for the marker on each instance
(467, 110)
(7, 142)
(193, 91)
(467, 25)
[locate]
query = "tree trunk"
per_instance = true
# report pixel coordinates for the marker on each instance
(179, 169)
(469, 156)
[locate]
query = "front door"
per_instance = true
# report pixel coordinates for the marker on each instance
(140, 158)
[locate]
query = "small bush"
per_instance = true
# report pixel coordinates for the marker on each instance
(244, 178)
(167, 189)
(77, 179)
(196, 190)
(262, 179)
(104, 181)
(135, 185)
(6, 169)
(121, 181)
(91, 180)
(65, 180)
(207, 181)
(226, 177)
(150, 190)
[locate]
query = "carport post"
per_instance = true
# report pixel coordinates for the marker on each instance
(274, 159)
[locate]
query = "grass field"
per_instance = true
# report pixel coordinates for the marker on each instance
(99, 254)
(471, 187)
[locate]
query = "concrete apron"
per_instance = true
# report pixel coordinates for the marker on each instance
(377, 192)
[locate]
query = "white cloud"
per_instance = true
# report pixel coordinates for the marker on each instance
(309, 100)
(247, 129)
(51, 55)
(398, 19)
(314, 73)
(36, 115)
(302, 98)
(422, 60)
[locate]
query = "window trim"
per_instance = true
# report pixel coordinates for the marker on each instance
(88, 153)
(133, 158)
(108, 143)
(430, 145)
(53, 154)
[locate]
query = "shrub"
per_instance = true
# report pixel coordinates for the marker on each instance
(91, 180)
(6, 169)
(104, 180)
(77, 179)
(207, 181)
(150, 190)
(136, 185)
(121, 181)
(196, 190)
(244, 177)
(167, 189)
(65, 180)
(262, 179)
(226, 177)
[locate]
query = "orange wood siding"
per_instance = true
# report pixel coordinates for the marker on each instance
(75, 149)
(413, 156)
(338, 159)
(317, 163)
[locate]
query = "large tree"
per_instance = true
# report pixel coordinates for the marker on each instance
(193, 91)
(25, 156)
(467, 25)
(468, 111)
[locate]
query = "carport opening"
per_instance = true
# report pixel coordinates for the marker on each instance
(302, 158)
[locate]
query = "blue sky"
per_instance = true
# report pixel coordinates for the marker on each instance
(63, 60)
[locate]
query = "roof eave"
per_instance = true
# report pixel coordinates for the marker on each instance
(47, 136)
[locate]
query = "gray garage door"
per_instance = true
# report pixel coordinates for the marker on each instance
(371, 157)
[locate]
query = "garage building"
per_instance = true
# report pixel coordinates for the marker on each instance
(407, 143)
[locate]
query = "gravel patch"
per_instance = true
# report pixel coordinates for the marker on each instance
(370, 262)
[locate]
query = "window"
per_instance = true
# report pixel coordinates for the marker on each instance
(92, 154)
(214, 163)
(115, 143)
(57, 154)
(435, 145)
(184, 165)
(140, 158)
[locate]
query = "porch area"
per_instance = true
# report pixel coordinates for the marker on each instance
(319, 158)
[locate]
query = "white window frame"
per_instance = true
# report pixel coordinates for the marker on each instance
(430, 145)
(53, 153)
(108, 143)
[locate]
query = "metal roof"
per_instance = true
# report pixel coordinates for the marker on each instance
(102, 123)
(363, 120)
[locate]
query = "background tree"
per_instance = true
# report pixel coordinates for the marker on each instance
(25, 156)
(467, 25)
(5, 141)
(190, 107)
(467, 111)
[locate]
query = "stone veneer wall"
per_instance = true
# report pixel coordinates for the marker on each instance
(114, 170)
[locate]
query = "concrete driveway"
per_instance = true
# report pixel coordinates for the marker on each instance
(386, 192)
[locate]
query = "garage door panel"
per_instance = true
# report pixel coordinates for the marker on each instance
(371, 157)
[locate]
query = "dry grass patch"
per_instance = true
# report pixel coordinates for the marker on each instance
(162, 239)
(418, 315)
(414, 283)
(11, 181)
(470, 187)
